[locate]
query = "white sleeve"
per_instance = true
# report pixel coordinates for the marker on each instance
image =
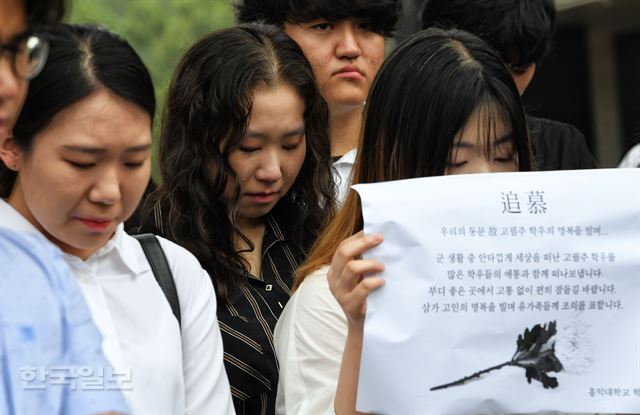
(207, 389)
(310, 338)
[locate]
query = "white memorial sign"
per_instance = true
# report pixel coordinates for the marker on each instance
(504, 293)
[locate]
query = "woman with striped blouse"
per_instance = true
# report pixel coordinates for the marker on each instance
(245, 162)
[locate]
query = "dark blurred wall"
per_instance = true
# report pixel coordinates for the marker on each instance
(628, 53)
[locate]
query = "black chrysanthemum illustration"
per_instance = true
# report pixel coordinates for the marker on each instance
(535, 353)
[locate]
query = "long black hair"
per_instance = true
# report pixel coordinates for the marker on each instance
(206, 114)
(82, 59)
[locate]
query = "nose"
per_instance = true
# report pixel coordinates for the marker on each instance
(348, 45)
(269, 169)
(106, 188)
(484, 165)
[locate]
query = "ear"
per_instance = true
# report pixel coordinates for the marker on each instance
(10, 154)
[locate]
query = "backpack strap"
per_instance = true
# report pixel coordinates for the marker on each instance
(161, 271)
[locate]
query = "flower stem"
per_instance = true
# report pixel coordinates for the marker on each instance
(475, 375)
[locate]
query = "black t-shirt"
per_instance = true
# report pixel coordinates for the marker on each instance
(558, 146)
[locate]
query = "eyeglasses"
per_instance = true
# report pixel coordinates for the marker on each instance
(28, 55)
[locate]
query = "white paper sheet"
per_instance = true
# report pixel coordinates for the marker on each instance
(472, 261)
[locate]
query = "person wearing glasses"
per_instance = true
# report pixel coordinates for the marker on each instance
(44, 320)
(22, 52)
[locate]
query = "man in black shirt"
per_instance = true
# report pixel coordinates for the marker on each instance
(520, 31)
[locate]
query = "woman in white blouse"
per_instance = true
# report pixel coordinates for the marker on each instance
(74, 170)
(443, 103)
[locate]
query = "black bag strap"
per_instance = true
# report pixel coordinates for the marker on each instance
(160, 267)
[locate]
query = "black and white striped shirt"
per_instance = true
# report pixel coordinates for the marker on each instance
(247, 325)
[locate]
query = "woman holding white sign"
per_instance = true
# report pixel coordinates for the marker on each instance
(443, 103)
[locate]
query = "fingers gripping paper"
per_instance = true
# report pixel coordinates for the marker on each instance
(504, 293)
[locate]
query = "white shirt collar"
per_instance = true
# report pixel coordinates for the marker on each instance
(121, 244)
(121, 247)
(348, 158)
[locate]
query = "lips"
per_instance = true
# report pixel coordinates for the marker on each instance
(96, 223)
(350, 72)
(262, 197)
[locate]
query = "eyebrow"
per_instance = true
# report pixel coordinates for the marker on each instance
(293, 133)
(497, 143)
(102, 150)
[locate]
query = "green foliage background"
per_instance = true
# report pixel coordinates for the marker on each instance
(159, 30)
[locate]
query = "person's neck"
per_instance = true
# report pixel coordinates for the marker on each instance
(252, 229)
(344, 129)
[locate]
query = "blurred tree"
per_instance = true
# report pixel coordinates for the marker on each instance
(159, 30)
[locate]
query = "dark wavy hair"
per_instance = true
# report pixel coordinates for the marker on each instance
(206, 114)
(82, 59)
(384, 14)
(424, 94)
(520, 30)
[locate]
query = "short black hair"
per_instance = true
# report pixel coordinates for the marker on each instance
(384, 14)
(44, 12)
(520, 30)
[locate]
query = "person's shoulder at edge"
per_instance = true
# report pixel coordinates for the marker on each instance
(316, 286)
(312, 296)
(309, 340)
(194, 287)
(202, 348)
(631, 157)
(567, 144)
(82, 341)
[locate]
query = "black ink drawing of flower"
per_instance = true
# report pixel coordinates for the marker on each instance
(535, 353)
